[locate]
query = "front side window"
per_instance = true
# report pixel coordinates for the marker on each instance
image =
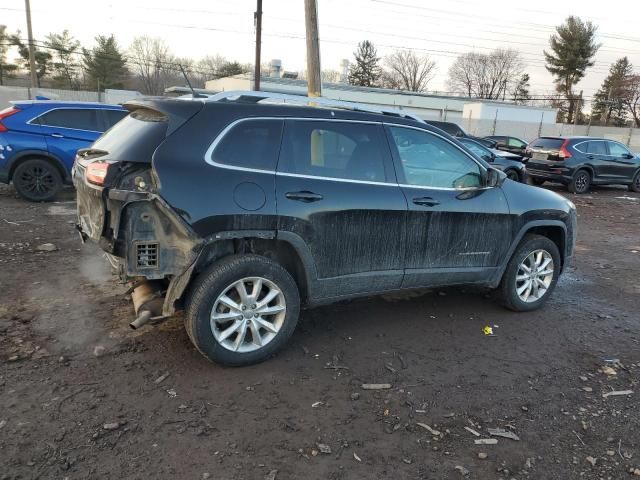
(344, 150)
(617, 150)
(430, 161)
(250, 144)
(514, 142)
(477, 149)
(76, 118)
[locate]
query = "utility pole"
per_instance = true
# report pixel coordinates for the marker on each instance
(257, 17)
(32, 56)
(577, 109)
(314, 85)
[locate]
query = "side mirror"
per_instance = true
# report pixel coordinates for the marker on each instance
(495, 177)
(627, 156)
(489, 158)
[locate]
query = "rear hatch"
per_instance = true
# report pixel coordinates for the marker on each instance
(545, 153)
(121, 159)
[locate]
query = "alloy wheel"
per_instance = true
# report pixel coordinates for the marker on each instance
(37, 181)
(582, 182)
(534, 276)
(248, 314)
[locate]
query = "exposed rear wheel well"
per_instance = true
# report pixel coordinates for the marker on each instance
(277, 250)
(555, 234)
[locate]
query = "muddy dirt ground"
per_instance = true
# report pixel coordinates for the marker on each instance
(84, 397)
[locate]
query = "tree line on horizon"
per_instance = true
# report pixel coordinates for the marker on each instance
(149, 65)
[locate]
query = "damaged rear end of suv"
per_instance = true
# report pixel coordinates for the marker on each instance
(119, 208)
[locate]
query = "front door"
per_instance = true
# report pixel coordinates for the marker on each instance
(69, 129)
(336, 192)
(457, 229)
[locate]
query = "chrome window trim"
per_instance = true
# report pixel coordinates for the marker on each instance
(208, 155)
(69, 108)
(605, 140)
(575, 147)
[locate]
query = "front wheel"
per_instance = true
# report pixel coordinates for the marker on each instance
(531, 275)
(37, 180)
(242, 309)
(512, 175)
(635, 183)
(537, 181)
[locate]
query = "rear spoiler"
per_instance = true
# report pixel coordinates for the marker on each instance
(176, 111)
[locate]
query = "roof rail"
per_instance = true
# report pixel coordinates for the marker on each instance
(256, 97)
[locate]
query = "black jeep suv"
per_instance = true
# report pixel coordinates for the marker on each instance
(240, 212)
(579, 162)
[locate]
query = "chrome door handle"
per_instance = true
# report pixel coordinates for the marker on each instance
(304, 196)
(426, 201)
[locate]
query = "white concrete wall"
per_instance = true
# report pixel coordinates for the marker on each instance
(511, 113)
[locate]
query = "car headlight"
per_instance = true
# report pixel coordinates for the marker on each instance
(572, 205)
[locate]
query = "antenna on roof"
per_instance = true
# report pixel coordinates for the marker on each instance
(193, 92)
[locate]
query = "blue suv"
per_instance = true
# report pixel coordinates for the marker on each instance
(39, 140)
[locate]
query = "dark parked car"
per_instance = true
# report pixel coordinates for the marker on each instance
(243, 212)
(457, 131)
(39, 141)
(580, 162)
(509, 144)
(509, 163)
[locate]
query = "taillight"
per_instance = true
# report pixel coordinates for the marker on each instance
(7, 112)
(564, 153)
(97, 172)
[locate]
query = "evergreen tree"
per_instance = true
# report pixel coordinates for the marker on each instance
(521, 91)
(6, 69)
(64, 48)
(42, 58)
(228, 69)
(105, 65)
(608, 102)
(572, 50)
(366, 71)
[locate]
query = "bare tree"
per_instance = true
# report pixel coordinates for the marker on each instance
(489, 75)
(413, 72)
(631, 96)
(330, 76)
(152, 63)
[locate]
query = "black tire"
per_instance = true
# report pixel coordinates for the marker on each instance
(580, 182)
(213, 282)
(508, 286)
(635, 183)
(537, 181)
(512, 174)
(37, 180)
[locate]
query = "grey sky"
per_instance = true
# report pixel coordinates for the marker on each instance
(198, 28)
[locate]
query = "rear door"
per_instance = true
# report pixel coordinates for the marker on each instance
(69, 129)
(597, 157)
(622, 163)
(337, 193)
(457, 229)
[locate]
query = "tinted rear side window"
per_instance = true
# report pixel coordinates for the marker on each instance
(77, 118)
(598, 148)
(114, 116)
(354, 151)
(135, 137)
(250, 144)
(547, 143)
